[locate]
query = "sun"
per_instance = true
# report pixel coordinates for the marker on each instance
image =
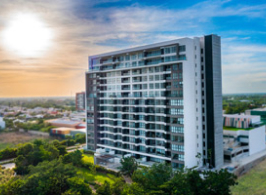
(27, 35)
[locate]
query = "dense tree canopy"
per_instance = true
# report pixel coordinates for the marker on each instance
(161, 179)
(128, 166)
(47, 178)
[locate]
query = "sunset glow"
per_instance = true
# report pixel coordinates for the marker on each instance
(27, 35)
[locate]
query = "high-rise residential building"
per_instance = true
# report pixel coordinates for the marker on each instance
(160, 102)
(80, 101)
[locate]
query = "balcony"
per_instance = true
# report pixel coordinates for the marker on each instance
(126, 80)
(126, 87)
(151, 54)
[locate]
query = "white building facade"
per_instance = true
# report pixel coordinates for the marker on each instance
(160, 102)
(2, 123)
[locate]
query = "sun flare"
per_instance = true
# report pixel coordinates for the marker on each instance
(27, 35)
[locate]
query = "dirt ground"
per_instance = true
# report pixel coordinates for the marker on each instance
(11, 139)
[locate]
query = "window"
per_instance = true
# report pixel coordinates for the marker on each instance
(175, 111)
(182, 48)
(175, 129)
(176, 84)
(181, 157)
(176, 102)
(142, 149)
(176, 138)
(178, 148)
(175, 76)
(144, 86)
(127, 57)
(142, 125)
(142, 133)
(133, 57)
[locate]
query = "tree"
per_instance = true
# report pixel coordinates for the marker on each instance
(118, 187)
(129, 165)
(32, 154)
(5, 175)
(80, 138)
(161, 179)
(195, 182)
(73, 157)
(133, 189)
(219, 182)
(62, 149)
(104, 189)
(153, 177)
(78, 185)
(47, 178)
(8, 153)
(177, 184)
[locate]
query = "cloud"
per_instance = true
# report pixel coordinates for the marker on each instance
(83, 28)
(9, 62)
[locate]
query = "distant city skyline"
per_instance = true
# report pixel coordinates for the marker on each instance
(44, 45)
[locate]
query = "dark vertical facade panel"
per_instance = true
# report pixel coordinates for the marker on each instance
(209, 99)
(213, 100)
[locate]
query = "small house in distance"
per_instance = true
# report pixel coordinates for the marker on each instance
(62, 132)
(243, 135)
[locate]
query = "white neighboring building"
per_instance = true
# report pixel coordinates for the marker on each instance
(2, 123)
(245, 141)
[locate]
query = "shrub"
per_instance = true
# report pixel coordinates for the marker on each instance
(104, 170)
(88, 152)
(8, 153)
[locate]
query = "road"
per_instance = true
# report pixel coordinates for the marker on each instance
(9, 165)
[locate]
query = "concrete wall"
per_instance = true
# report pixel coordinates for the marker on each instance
(39, 133)
(256, 140)
(190, 75)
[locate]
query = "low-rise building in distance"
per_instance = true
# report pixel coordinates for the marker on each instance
(244, 135)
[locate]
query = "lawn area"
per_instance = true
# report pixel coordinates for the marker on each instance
(96, 177)
(236, 129)
(88, 158)
(12, 139)
(253, 182)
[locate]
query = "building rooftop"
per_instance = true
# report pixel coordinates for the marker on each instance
(237, 129)
(239, 116)
(259, 109)
(63, 129)
(141, 47)
(61, 121)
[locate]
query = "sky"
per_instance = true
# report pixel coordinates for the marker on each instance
(63, 33)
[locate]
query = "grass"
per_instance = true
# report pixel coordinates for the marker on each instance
(88, 158)
(5, 175)
(96, 177)
(253, 182)
(12, 139)
(236, 129)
